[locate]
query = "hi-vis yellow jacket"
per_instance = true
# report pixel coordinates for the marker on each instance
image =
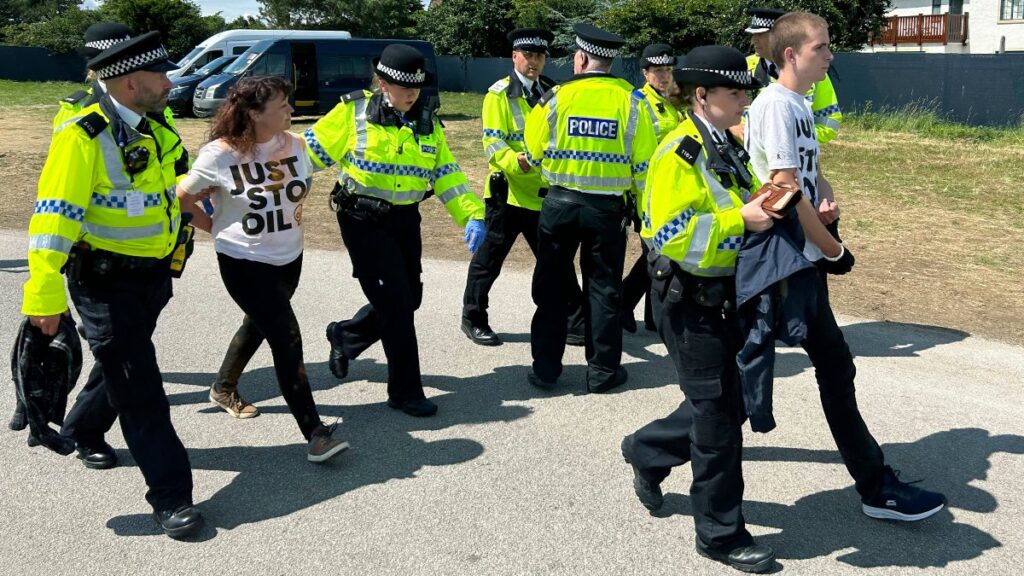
(504, 118)
(664, 115)
(690, 216)
(380, 159)
(86, 194)
(592, 134)
(822, 100)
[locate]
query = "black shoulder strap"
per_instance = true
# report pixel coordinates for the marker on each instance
(93, 123)
(688, 150)
(353, 96)
(76, 97)
(547, 96)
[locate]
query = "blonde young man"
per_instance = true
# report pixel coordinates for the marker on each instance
(783, 146)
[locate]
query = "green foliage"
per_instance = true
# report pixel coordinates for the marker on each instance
(35, 93)
(179, 22)
(922, 119)
(61, 33)
(557, 16)
(468, 27)
(363, 18)
(13, 12)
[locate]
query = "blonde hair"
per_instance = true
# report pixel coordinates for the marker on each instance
(791, 31)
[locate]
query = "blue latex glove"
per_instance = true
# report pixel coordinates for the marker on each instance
(474, 237)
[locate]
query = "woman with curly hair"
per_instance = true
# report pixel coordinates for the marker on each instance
(260, 175)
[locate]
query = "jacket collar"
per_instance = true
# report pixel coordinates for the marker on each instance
(515, 85)
(381, 113)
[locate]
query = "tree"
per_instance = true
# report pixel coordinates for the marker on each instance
(363, 18)
(179, 22)
(61, 33)
(468, 27)
(558, 16)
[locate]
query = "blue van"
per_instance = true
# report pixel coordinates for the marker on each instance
(322, 71)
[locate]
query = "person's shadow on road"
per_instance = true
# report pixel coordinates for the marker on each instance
(827, 522)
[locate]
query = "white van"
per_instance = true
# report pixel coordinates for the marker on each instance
(234, 42)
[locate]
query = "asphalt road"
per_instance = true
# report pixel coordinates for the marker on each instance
(508, 479)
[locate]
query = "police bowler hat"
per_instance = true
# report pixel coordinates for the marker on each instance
(102, 35)
(713, 66)
(531, 39)
(403, 65)
(658, 55)
(762, 19)
(144, 52)
(600, 43)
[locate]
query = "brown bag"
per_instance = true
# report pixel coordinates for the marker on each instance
(780, 198)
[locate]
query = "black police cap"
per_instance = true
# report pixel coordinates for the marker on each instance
(712, 66)
(658, 55)
(403, 65)
(144, 52)
(593, 40)
(102, 35)
(531, 39)
(762, 19)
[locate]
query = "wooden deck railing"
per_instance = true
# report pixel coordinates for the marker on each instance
(921, 29)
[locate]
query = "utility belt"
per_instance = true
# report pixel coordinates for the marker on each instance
(87, 263)
(612, 203)
(673, 284)
(343, 200)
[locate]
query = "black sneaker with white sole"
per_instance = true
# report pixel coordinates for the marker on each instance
(898, 500)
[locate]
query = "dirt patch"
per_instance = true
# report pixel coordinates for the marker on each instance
(936, 226)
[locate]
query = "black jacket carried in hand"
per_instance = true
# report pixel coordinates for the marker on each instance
(45, 370)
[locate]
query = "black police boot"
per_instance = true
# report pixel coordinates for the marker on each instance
(617, 379)
(180, 522)
(628, 322)
(482, 335)
(539, 382)
(754, 558)
(337, 362)
(98, 457)
(420, 408)
(19, 420)
(647, 491)
(575, 337)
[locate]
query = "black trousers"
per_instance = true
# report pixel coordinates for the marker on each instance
(637, 285)
(571, 221)
(504, 226)
(705, 429)
(264, 292)
(119, 312)
(386, 253)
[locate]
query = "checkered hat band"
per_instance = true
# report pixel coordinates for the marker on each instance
(663, 60)
(400, 76)
(105, 43)
(530, 42)
(762, 22)
(595, 49)
(737, 76)
(133, 63)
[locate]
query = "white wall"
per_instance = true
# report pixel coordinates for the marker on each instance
(984, 29)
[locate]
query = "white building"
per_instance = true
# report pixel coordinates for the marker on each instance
(952, 26)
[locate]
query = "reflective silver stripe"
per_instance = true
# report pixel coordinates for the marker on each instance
(641, 184)
(699, 238)
(126, 233)
(587, 183)
(552, 124)
(360, 112)
(112, 161)
(396, 197)
(669, 146)
(517, 114)
(49, 242)
(654, 117)
(634, 115)
(712, 271)
(453, 192)
(649, 242)
(722, 197)
(495, 148)
(828, 122)
(66, 123)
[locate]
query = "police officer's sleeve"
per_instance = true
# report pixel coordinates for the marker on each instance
(451, 186)
(645, 141)
(65, 187)
(183, 163)
(496, 133)
(825, 108)
(679, 196)
(537, 133)
(327, 140)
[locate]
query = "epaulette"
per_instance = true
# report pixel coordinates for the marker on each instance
(499, 86)
(93, 123)
(353, 96)
(547, 96)
(688, 150)
(75, 98)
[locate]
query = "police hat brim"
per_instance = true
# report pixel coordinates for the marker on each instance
(427, 76)
(753, 30)
(532, 48)
(691, 77)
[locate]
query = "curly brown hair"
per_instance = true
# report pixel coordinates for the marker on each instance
(233, 123)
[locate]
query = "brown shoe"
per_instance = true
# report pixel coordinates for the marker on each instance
(323, 444)
(232, 403)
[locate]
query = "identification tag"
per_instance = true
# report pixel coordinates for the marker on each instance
(135, 204)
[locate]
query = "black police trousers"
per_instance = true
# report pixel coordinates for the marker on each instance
(386, 252)
(263, 292)
(593, 224)
(504, 226)
(119, 311)
(706, 428)
(637, 285)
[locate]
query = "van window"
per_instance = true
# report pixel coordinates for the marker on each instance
(335, 68)
(239, 49)
(269, 65)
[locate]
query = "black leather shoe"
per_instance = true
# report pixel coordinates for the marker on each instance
(419, 408)
(574, 338)
(628, 322)
(755, 558)
(337, 362)
(648, 492)
(537, 381)
(482, 335)
(100, 457)
(185, 520)
(617, 379)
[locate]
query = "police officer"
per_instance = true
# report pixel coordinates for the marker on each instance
(107, 214)
(592, 138)
(98, 37)
(390, 150)
(512, 190)
(695, 215)
(656, 63)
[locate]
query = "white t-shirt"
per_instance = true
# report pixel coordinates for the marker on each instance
(779, 135)
(258, 199)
